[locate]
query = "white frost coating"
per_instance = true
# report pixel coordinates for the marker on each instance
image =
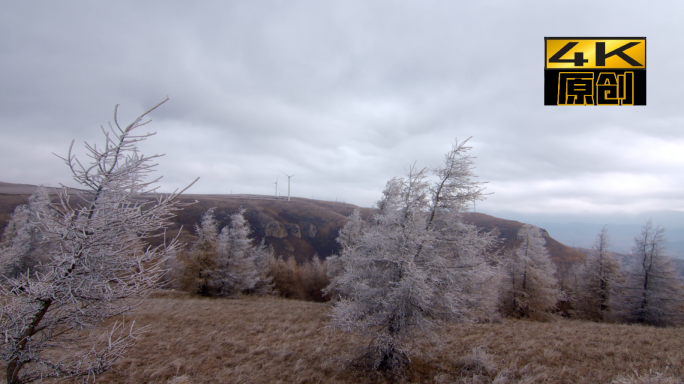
(98, 264)
(595, 295)
(414, 263)
(530, 286)
(23, 244)
(653, 294)
(228, 262)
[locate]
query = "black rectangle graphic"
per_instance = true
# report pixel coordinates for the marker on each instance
(594, 87)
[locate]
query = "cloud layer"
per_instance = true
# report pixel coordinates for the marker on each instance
(346, 94)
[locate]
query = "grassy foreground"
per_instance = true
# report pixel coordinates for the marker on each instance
(194, 340)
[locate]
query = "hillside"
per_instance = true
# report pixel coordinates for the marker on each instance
(506, 230)
(299, 228)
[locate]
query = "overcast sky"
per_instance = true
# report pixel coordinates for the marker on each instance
(346, 94)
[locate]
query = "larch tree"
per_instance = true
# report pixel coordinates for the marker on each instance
(598, 280)
(654, 292)
(23, 245)
(202, 263)
(243, 265)
(263, 256)
(414, 263)
(99, 264)
(226, 262)
(530, 288)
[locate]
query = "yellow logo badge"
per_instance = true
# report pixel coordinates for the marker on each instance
(595, 71)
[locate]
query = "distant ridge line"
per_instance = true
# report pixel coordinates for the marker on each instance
(234, 196)
(27, 189)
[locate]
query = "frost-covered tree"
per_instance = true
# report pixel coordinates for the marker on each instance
(203, 258)
(263, 256)
(654, 292)
(243, 266)
(597, 282)
(227, 262)
(351, 235)
(98, 264)
(414, 264)
(530, 286)
(23, 246)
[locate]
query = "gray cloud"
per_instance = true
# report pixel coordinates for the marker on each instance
(346, 94)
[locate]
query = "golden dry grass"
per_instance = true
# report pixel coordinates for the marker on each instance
(194, 340)
(247, 340)
(560, 351)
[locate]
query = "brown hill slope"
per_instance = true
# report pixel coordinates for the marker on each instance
(16, 189)
(301, 227)
(507, 230)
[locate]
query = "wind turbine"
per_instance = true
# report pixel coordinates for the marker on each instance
(288, 184)
(276, 186)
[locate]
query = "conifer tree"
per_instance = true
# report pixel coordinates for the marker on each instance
(97, 262)
(530, 286)
(204, 256)
(242, 265)
(654, 289)
(597, 282)
(227, 262)
(23, 245)
(414, 264)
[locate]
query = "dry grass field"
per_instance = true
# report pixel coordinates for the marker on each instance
(274, 340)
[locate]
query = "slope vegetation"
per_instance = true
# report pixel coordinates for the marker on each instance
(300, 228)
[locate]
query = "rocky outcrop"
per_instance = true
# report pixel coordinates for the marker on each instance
(275, 229)
(311, 230)
(293, 229)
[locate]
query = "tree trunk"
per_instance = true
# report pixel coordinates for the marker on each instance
(14, 366)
